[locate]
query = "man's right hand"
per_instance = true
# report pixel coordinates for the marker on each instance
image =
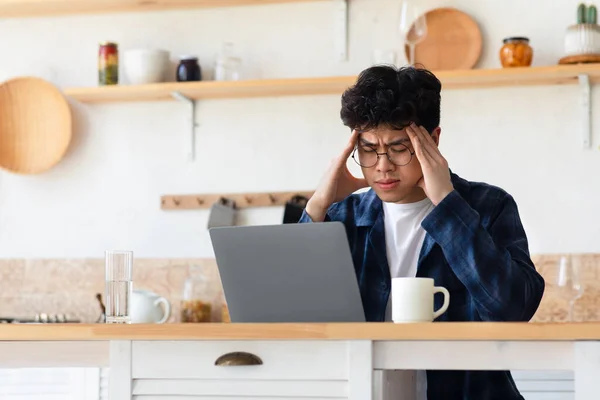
(337, 184)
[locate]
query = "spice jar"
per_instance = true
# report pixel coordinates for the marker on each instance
(198, 297)
(188, 69)
(516, 52)
(108, 64)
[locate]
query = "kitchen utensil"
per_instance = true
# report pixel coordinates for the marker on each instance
(119, 266)
(35, 125)
(143, 66)
(580, 59)
(149, 308)
(293, 209)
(412, 26)
(40, 318)
(222, 213)
(453, 41)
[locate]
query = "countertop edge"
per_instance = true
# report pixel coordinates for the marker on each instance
(436, 331)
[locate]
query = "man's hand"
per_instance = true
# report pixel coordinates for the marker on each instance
(337, 184)
(436, 175)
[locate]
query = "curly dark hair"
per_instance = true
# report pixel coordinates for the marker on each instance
(386, 95)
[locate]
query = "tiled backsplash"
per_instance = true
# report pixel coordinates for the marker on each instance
(69, 286)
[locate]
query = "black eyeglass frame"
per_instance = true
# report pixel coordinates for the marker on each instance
(412, 153)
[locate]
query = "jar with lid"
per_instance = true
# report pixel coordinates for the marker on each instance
(108, 64)
(198, 299)
(188, 69)
(516, 52)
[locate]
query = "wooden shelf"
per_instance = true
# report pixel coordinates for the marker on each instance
(211, 89)
(42, 8)
(467, 79)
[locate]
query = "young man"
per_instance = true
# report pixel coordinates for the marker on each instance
(420, 219)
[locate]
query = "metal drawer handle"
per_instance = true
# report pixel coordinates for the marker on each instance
(238, 358)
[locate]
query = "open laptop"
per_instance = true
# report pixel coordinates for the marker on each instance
(288, 273)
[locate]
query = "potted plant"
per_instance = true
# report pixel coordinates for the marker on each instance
(583, 38)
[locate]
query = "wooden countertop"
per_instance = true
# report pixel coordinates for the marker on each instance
(330, 331)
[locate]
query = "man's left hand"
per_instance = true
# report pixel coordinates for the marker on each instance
(436, 181)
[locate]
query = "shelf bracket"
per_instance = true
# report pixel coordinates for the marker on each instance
(341, 29)
(193, 124)
(586, 110)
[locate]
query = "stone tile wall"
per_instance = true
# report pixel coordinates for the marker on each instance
(69, 286)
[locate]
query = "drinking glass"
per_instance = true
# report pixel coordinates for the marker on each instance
(412, 25)
(385, 57)
(569, 282)
(118, 286)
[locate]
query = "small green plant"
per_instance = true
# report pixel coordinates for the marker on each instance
(592, 15)
(587, 15)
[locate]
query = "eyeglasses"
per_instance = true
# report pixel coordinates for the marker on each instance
(368, 157)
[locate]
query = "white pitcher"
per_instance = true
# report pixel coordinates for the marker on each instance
(146, 308)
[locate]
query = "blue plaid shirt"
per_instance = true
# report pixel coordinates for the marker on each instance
(476, 247)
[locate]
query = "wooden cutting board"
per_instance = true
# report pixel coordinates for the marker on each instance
(453, 41)
(35, 125)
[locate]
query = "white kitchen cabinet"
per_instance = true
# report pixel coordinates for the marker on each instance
(287, 369)
(545, 385)
(314, 370)
(50, 384)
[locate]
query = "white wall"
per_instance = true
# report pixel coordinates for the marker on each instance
(106, 193)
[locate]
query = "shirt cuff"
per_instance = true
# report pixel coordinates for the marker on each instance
(305, 218)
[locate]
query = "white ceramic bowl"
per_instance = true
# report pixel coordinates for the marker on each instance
(145, 65)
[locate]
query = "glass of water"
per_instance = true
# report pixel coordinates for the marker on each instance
(119, 284)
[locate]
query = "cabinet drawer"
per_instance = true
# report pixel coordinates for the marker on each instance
(238, 389)
(281, 360)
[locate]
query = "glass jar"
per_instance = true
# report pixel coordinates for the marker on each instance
(227, 67)
(198, 299)
(516, 52)
(224, 311)
(188, 69)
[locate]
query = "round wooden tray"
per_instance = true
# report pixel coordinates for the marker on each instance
(35, 125)
(453, 41)
(580, 59)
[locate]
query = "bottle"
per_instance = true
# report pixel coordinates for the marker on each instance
(198, 299)
(188, 69)
(226, 65)
(108, 64)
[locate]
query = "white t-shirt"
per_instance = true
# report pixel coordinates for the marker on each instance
(404, 238)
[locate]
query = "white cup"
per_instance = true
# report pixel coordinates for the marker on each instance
(412, 300)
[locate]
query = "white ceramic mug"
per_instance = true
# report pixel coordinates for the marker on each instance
(412, 300)
(149, 308)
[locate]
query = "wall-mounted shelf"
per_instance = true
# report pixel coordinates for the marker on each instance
(584, 75)
(43, 8)
(464, 79)
(242, 200)
(211, 89)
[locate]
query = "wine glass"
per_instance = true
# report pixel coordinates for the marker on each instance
(412, 25)
(569, 282)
